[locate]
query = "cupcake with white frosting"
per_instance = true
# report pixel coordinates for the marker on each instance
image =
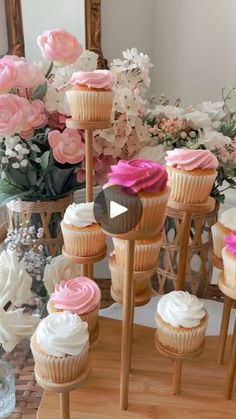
(229, 261)
(60, 347)
(223, 228)
(82, 235)
(181, 322)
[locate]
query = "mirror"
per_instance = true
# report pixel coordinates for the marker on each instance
(26, 19)
(190, 42)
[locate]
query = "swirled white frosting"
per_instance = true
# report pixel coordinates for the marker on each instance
(228, 219)
(61, 334)
(179, 308)
(80, 215)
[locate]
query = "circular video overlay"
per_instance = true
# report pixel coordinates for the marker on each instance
(117, 209)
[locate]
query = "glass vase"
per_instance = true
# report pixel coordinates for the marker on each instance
(7, 389)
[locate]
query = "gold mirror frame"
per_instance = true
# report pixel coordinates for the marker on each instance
(92, 26)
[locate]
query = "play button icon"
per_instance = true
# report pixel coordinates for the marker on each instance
(117, 209)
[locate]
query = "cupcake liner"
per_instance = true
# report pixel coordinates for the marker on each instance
(90, 106)
(190, 188)
(83, 241)
(145, 254)
(229, 269)
(219, 234)
(57, 369)
(180, 339)
(117, 280)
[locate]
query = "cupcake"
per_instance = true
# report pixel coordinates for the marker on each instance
(191, 175)
(148, 180)
(229, 261)
(91, 96)
(146, 252)
(181, 322)
(82, 235)
(222, 229)
(80, 296)
(142, 283)
(60, 347)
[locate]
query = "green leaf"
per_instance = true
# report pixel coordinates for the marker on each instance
(45, 159)
(39, 92)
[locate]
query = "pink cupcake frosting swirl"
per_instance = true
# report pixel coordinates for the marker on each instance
(187, 159)
(97, 79)
(139, 175)
(79, 295)
(230, 242)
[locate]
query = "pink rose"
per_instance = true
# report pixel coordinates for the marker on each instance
(60, 46)
(67, 146)
(13, 114)
(28, 75)
(8, 74)
(57, 121)
(36, 118)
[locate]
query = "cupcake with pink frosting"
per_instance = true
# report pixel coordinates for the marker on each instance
(191, 174)
(148, 179)
(80, 296)
(91, 96)
(229, 261)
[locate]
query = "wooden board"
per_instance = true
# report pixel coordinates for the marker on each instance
(150, 383)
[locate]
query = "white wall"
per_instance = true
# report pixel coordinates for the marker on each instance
(41, 15)
(191, 42)
(127, 24)
(195, 48)
(3, 29)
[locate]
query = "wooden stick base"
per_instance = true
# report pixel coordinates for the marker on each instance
(177, 359)
(91, 126)
(139, 300)
(85, 260)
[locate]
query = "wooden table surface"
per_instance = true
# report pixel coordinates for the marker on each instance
(150, 383)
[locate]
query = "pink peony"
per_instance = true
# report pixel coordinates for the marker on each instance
(67, 146)
(8, 74)
(28, 75)
(60, 46)
(36, 118)
(13, 114)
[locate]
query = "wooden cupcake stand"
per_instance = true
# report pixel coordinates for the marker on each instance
(149, 385)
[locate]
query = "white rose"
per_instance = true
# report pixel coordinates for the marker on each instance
(15, 326)
(57, 270)
(15, 282)
(155, 153)
(214, 139)
(213, 109)
(197, 120)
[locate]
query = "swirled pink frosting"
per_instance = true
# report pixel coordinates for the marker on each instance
(139, 175)
(230, 242)
(187, 159)
(98, 79)
(78, 295)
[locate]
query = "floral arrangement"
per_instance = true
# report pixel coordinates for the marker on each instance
(39, 157)
(38, 154)
(210, 125)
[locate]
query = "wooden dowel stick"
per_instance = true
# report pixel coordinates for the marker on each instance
(127, 326)
(65, 405)
(90, 271)
(224, 329)
(89, 165)
(84, 270)
(177, 371)
(184, 242)
(231, 367)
